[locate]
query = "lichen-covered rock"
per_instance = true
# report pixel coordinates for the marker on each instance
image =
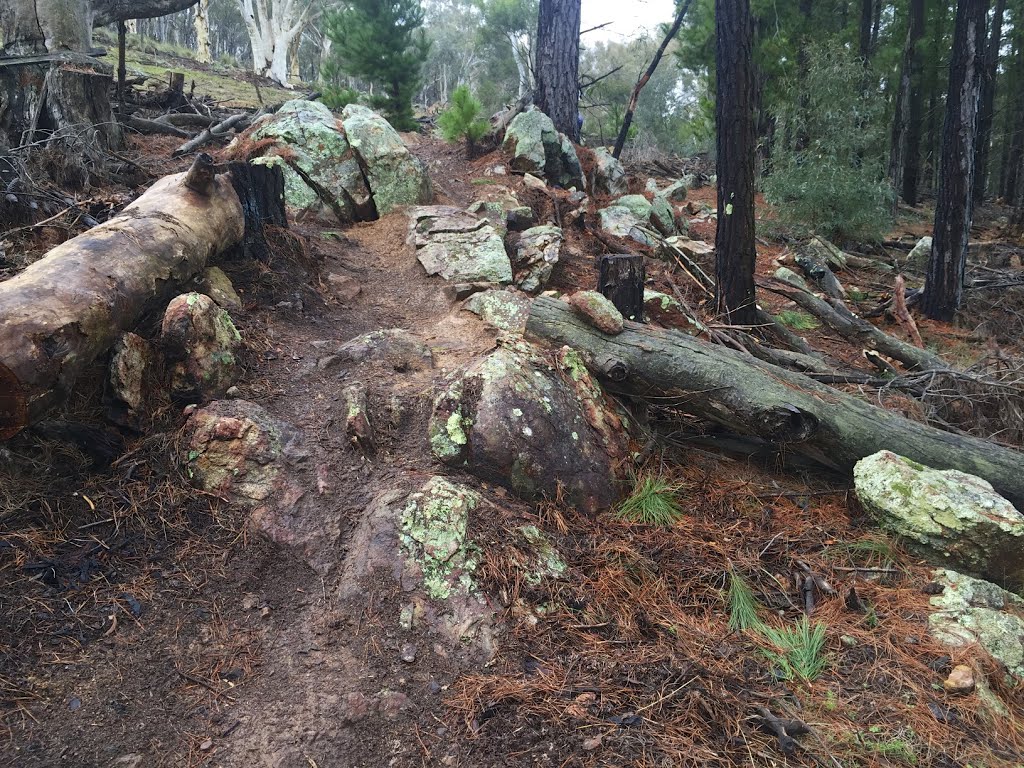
(638, 205)
(597, 310)
(131, 381)
(434, 534)
(514, 419)
(663, 217)
(545, 561)
(218, 287)
(536, 255)
(505, 310)
(235, 451)
(695, 249)
(946, 516)
(306, 134)
(608, 177)
(394, 175)
(676, 191)
(620, 221)
(666, 310)
(972, 611)
(394, 346)
(538, 149)
(199, 342)
(920, 253)
(458, 246)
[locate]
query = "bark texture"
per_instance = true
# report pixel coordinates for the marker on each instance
(734, 241)
(753, 397)
(986, 115)
(905, 155)
(954, 207)
(68, 308)
(558, 64)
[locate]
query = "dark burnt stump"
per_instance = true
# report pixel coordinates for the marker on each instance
(622, 281)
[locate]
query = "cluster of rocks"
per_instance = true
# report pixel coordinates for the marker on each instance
(354, 169)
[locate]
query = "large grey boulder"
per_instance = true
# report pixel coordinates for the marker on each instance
(920, 253)
(629, 216)
(676, 191)
(607, 177)
(946, 516)
(314, 142)
(970, 610)
(394, 175)
(538, 429)
(539, 149)
(458, 245)
(199, 342)
(536, 255)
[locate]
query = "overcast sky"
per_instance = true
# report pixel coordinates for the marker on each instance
(629, 17)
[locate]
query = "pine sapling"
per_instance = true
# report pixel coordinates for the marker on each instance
(462, 120)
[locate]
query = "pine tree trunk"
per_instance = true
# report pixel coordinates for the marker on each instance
(1013, 133)
(558, 64)
(988, 95)
(934, 95)
(953, 209)
(734, 241)
(905, 157)
(867, 14)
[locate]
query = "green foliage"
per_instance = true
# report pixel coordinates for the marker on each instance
(462, 119)
(652, 502)
(742, 604)
(337, 97)
(828, 166)
(381, 41)
(797, 320)
(797, 650)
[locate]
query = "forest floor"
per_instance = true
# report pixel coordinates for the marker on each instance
(144, 624)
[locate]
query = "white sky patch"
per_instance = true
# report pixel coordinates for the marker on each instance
(629, 18)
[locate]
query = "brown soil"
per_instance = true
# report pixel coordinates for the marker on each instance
(145, 624)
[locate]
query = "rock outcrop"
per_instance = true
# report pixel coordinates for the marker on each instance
(458, 245)
(536, 255)
(538, 429)
(607, 176)
(539, 149)
(946, 516)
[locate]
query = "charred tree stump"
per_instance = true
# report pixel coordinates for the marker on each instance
(621, 281)
(68, 308)
(261, 191)
(787, 410)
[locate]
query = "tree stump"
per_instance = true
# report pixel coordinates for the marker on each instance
(622, 281)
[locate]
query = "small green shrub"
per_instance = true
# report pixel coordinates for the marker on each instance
(462, 120)
(797, 650)
(742, 604)
(798, 321)
(653, 502)
(828, 173)
(336, 97)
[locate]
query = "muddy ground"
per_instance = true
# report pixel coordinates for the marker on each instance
(144, 624)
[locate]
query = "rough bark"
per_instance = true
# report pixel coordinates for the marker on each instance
(621, 280)
(558, 64)
(954, 207)
(68, 308)
(734, 242)
(905, 154)
(986, 115)
(788, 410)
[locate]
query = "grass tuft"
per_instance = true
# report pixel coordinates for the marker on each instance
(652, 502)
(742, 604)
(798, 650)
(796, 320)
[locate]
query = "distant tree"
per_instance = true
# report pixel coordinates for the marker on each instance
(986, 115)
(382, 41)
(558, 64)
(462, 120)
(513, 22)
(734, 242)
(944, 282)
(273, 27)
(905, 153)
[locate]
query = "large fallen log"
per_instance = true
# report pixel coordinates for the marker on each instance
(68, 308)
(756, 398)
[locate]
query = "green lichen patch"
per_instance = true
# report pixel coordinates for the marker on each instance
(433, 535)
(545, 560)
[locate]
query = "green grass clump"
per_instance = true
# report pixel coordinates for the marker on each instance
(742, 605)
(798, 321)
(798, 650)
(652, 502)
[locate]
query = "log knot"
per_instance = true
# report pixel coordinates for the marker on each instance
(786, 424)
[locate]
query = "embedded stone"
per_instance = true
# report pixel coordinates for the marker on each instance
(199, 342)
(598, 310)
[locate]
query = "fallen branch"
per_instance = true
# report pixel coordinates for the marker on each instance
(211, 133)
(902, 314)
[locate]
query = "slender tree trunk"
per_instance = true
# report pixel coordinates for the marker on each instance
(935, 94)
(522, 61)
(734, 240)
(867, 14)
(905, 157)
(558, 64)
(953, 209)
(988, 96)
(202, 26)
(1013, 134)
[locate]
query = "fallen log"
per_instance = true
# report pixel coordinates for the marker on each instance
(753, 397)
(68, 308)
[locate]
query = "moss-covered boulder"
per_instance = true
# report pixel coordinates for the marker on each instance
(536, 426)
(537, 148)
(506, 310)
(663, 216)
(676, 191)
(309, 143)
(458, 245)
(607, 177)
(970, 610)
(629, 216)
(217, 285)
(199, 342)
(667, 311)
(947, 516)
(536, 255)
(395, 177)
(235, 451)
(434, 536)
